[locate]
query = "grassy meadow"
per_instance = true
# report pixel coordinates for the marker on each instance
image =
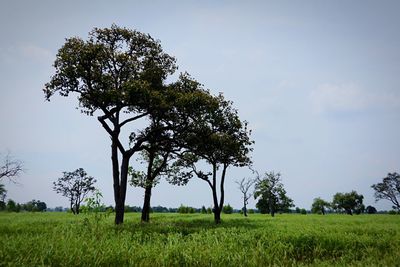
(61, 239)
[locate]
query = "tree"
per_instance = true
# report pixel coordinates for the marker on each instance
(12, 206)
(10, 168)
(119, 73)
(34, 205)
(348, 202)
(319, 206)
(244, 186)
(370, 210)
(389, 189)
(219, 138)
(271, 194)
(227, 209)
(75, 186)
(165, 136)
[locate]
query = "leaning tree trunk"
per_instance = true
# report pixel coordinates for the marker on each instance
(146, 204)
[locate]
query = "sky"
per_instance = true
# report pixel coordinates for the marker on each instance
(318, 82)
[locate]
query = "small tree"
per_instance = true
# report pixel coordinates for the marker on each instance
(370, 210)
(227, 209)
(319, 206)
(10, 168)
(272, 195)
(75, 186)
(244, 186)
(348, 202)
(219, 138)
(389, 189)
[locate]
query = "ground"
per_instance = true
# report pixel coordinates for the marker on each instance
(62, 239)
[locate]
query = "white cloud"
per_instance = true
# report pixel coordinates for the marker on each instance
(350, 97)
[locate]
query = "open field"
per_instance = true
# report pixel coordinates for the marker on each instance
(61, 239)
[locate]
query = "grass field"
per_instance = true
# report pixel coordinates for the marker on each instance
(61, 239)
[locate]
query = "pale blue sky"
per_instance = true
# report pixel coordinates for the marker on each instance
(318, 82)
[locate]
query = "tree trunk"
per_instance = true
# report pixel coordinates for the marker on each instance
(217, 216)
(72, 207)
(146, 204)
(119, 206)
(244, 207)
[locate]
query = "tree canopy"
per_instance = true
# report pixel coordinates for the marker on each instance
(389, 189)
(75, 185)
(271, 194)
(348, 202)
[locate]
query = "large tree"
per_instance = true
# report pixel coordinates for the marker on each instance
(120, 73)
(169, 125)
(319, 206)
(348, 202)
(216, 136)
(389, 189)
(75, 185)
(271, 194)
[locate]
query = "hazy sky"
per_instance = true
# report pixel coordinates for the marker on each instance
(318, 82)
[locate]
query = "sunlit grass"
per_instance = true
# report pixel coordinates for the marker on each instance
(60, 239)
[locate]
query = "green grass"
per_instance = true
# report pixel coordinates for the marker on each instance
(60, 239)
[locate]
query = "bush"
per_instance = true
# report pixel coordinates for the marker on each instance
(227, 209)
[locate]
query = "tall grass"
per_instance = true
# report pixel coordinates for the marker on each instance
(60, 239)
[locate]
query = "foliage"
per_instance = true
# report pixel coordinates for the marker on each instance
(121, 74)
(34, 205)
(389, 189)
(348, 202)
(319, 206)
(370, 210)
(271, 194)
(227, 209)
(185, 209)
(75, 186)
(218, 137)
(3, 193)
(12, 206)
(60, 239)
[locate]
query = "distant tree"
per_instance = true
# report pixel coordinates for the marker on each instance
(297, 210)
(34, 205)
(10, 168)
(303, 211)
(319, 206)
(75, 186)
(370, 210)
(209, 210)
(227, 209)
(271, 194)
(59, 209)
(11, 206)
(389, 189)
(251, 211)
(244, 186)
(348, 202)
(203, 210)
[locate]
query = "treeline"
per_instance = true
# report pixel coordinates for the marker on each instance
(33, 205)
